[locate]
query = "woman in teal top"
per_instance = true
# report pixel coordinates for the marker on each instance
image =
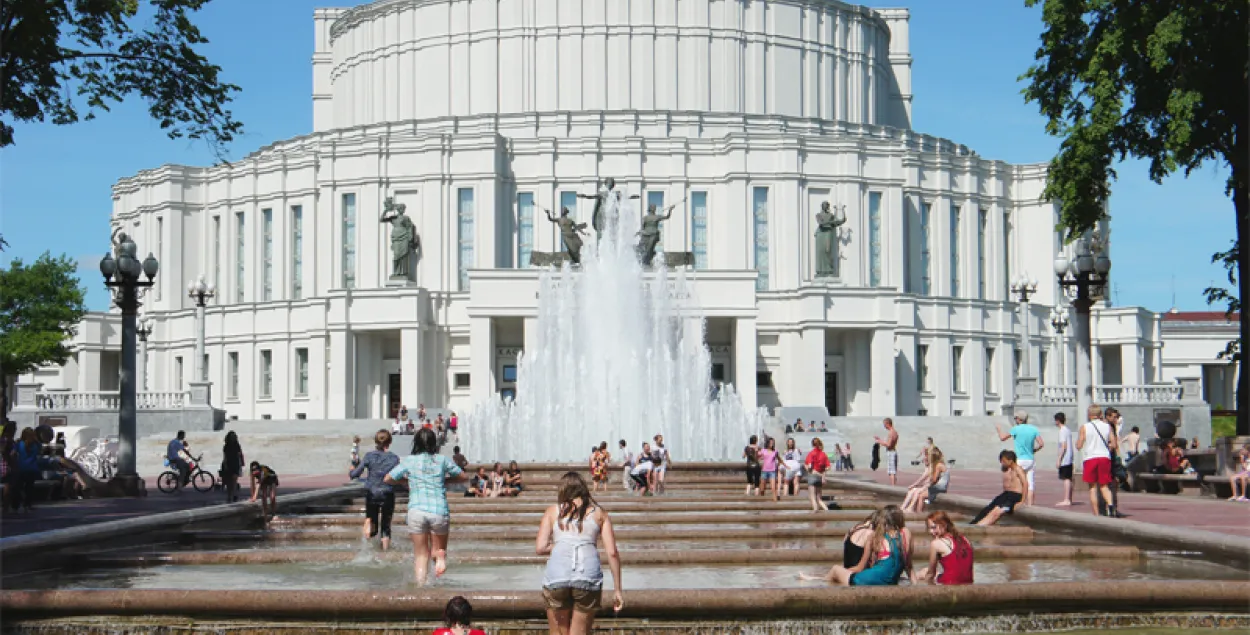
(429, 519)
(887, 555)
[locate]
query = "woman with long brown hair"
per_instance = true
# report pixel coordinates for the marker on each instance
(950, 550)
(935, 480)
(573, 581)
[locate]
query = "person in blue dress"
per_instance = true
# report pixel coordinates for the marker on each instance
(887, 556)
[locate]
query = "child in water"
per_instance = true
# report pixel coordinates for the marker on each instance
(458, 617)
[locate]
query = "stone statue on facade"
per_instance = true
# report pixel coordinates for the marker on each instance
(404, 239)
(649, 235)
(599, 219)
(827, 224)
(570, 231)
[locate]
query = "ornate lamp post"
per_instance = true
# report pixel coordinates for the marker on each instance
(1059, 322)
(141, 370)
(201, 292)
(1025, 287)
(1087, 271)
(122, 276)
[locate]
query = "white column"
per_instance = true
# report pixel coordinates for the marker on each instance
(339, 382)
(809, 368)
(141, 366)
(410, 365)
(883, 367)
(745, 355)
(198, 364)
(88, 370)
(481, 359)
(1132, 365)
(530, 341)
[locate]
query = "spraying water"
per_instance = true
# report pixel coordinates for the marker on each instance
(619, 355)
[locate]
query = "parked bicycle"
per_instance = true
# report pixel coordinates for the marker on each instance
(201, 480)
(99, 460)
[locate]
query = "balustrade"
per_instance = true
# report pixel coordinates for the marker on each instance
(1114, 395)
(108, 400)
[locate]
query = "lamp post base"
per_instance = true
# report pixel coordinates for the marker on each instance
(128, 485)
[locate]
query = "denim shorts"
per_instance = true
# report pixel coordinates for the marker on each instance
(420, 522)
(770, 475)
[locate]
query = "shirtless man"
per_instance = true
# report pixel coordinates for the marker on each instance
(890, 443)
(1015, 491)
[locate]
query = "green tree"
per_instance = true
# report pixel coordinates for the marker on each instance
(1167, 81)
(62, 60)
(40, 305)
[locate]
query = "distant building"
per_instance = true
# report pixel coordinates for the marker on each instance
(1192, 340)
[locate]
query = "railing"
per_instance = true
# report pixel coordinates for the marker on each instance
(1157, 393)
(107, 400)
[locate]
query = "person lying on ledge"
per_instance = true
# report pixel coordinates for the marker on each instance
(1015, 491)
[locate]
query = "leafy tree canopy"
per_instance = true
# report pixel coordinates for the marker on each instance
(66, 60)
(1167, 81)
(40, 305)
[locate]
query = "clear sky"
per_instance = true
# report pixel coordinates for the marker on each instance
(55, 183)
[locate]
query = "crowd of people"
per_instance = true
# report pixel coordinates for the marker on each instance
(444, 428)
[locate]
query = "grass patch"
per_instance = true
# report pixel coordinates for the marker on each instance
(1223, 427)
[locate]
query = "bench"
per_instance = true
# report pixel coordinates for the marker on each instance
(1206, 484)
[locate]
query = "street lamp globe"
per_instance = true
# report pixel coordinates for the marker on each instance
(1102, 265)
(150, 266)
(108, 266)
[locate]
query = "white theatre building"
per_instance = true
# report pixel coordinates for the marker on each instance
(478, 114)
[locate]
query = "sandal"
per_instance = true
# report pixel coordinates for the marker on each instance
(440, 562)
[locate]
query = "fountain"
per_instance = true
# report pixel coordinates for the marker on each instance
(619, 355)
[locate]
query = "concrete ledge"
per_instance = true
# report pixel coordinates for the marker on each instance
(649, 557)
(1226, 548)
(681, 605)
(85, 535)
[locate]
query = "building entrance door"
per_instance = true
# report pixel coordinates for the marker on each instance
(394, 393)
(831, 394)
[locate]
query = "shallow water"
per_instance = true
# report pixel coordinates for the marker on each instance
(368, 572)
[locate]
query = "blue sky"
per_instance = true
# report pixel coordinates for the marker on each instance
(55, 183)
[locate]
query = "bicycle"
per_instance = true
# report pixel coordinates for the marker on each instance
(201, 479)
(99, 460)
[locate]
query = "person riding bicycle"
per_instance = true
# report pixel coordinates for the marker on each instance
(174, 454)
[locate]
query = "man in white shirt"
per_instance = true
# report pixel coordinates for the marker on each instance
(627, 462)
(1064, 461)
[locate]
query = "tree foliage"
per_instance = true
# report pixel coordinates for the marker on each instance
(40, 305)
(1167, 81)
(1232, 303)
(66, 60)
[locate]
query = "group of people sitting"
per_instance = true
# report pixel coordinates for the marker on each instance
(404, 424)
(877, 552)
(798, 426)
(498, 482)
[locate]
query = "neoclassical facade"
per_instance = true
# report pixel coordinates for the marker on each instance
(479, 115)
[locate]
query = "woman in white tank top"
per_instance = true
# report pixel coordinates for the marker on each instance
(573, 580)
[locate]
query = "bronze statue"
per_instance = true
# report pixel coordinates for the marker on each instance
(598, 220)
(569, 233)
(404, 239)
(649, 235)
(827, 224)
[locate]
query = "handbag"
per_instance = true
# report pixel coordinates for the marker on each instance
(1118, 471)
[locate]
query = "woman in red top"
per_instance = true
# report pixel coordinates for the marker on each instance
(950, 550)
(458, 616)
(817, 463)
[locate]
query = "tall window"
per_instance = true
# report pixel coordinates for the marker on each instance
(232, 375)
(240, 255)
(525, 228)
(955, 250)
(297, 252)
(922, 367)
(266, 237)
(1006, 257)
(1017, 364)
(698, 228)
(349, 241)
(926, 274)
(569, 200)
(178, 373)
(760, 236)
(266, 374)
(990, 388)
(656, 199)
(983, 218)
(160, 251)
(957, 368)
(216, 252)
(301, 372)
(1041, 368)
(874, 239)
(464, 215)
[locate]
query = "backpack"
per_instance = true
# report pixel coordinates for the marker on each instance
(753, 457)
(27, 458)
